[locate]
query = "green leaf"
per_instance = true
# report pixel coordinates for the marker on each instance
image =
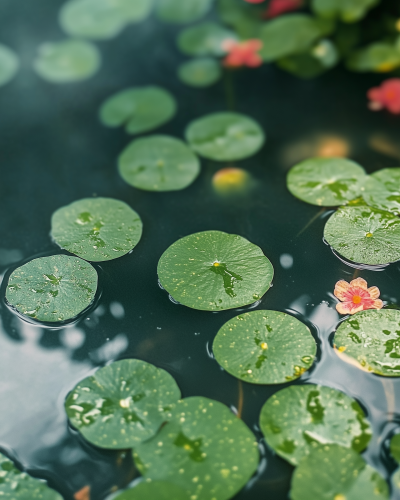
(382, 190)
(396, 479)
(122, 404)
(297, 419)
(204, 39)
(395, 447)
(265, 347)
(158, 163)
(155, 490)
(204, 448)
(333, 472)
(349, 11)
(67, 61)
(176, 11)
(140, 109)
(9, 64)
(97, 229)
(201, 72)
(379, 57)
(212, 271)
(372, 338)
(53, 288)
(225, 136)
(326, 181)
(364, 235)
(244, 18)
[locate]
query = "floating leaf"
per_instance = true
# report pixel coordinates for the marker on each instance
(395, 447)
(213, 270)
(382, 190)
(155, 490)
(158, 163)
(9, 64)
(265, 347)
(67, 61)
(204, 39)
(396, 479)
(349, 11)
(333, 472)
(122, 404)
(140, 109)
(297, 419)
(53, 288)
(176, 11)
(244, 18)
(379, 57)
(97, 229)
(225, 136)
(326, 181)
(204, 448)
(201, 72)
(364, 235)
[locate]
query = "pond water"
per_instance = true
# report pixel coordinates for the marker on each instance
(53, 150)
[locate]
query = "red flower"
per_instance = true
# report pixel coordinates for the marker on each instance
(242, 53)
(386, 96)
(356, 296)
(278, 7)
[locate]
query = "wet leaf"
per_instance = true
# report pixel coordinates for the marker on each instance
(204, 39)
(55, 288)
(298, 418)
(155, 490)
(212, 271)
(201, 72)
(158, 163)
(395, 447)
(176, 11)
(379, 57)
(265, 347)
(382, 190)
(349, 11)
(204, 448)
(326, 181)
(138, 109)
(364, 235)
(122, 404)
(225, 136)
(97, 229)
(9, 64)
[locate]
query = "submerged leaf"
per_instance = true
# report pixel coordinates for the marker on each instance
(9, 64)
(349, 11)
(204, 39)
(380, 57)
(201, 72)
(182, 12)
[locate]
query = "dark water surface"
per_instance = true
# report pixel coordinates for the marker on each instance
(53, 150)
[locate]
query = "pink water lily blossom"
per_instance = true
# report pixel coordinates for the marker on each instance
(243, 53)
(356, 296)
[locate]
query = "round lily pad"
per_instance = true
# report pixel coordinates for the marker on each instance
(333, 472)
(326, 182)
(204, 448)
(372, 338)
(382, 190)
(139, 109)
(176, 11)
(364, 235)
(67, 61)
(225, 136)
(55, 288)
(158, 163)
(201, 72)
(155, 490)
(9, 64)
(265, 347)
(213, 270)
(122, 404)
(97, 229)
(395, 447)
(205, 39)
(298, 418)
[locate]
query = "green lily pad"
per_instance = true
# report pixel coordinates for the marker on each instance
(396, 479)
(379, 57)
(212, 271)
(140, 109)
(201, 72)
(244, 18)
(333, 472)
(372, 338)
(55, 288)
(348, 11)
(364, 235)
(382, 190)
(17, 485)
(326, 181)
(205, 39)
(67, 61)
(9, 64)
(265, 347)
(155, 490)
(204, 448)
(298, 418)
(395, 447)
(97, 229)
(225, 136)
(176, 11)
(122, 404)
(158, 163)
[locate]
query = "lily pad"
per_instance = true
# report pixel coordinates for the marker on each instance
(326, 181)
(378, 57)
(212, 271)
(372, 338)
(155, 490)
(55, 288)
(265, 347)
(382, 190)
(364, 235)
(204, 448)
(158, 163)
(201, 72)
(204, 39)
(298, 418)
(333, 472)
(176, 11)
(395, 447)
(244, 18)
(225, 136)
(9, 64)
(122, 404)
(67, 61)
(97, 229)
(140, 109)
(348, 11)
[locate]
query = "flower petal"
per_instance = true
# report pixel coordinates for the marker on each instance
(360, 282)
(378, 304)
(341, 288)
(374, 292)
(348, 308)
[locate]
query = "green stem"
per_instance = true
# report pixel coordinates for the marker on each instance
(313, 219)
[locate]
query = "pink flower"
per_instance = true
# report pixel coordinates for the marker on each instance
(242, 53)
(278, 7)
(356, 296)
(386, 96)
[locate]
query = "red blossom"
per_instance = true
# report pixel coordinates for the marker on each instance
(242, 53)
(278, 7)
(386, 96)
(356, 296)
